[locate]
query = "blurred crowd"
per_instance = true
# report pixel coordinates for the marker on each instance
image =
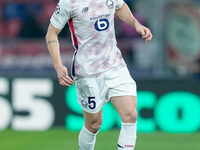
(30, 18)
(175, 48)
(25, 18)
(23, 25)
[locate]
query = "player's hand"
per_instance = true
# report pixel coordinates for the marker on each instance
(63, 76)
(145, 32)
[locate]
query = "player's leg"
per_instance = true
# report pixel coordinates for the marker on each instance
(87, 136)
(93, 121)
(126, 108)
(91, 96)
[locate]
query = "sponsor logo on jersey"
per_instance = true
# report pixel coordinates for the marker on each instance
(101, 24)
(85, 9)
(100, 17)
(110, 4)
(57, 11)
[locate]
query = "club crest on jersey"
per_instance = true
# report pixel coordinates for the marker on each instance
(84, 103)
(110, 4)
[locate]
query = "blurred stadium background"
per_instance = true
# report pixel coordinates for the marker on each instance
(37, 113)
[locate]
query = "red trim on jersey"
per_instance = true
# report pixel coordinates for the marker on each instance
(71, 25)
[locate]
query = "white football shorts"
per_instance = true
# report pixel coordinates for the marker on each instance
(93, 93)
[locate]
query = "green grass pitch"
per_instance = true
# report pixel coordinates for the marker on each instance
(61, 139)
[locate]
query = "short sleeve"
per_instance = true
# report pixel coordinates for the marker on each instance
(119, 4)
(62, 14)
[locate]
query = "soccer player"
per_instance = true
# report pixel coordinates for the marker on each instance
(98, 69)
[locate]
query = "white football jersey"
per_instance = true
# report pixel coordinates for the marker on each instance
(92, 28)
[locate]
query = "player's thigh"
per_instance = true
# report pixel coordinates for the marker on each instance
(126, 107)
(93, 121)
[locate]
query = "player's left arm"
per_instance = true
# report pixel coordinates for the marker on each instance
(126, 16)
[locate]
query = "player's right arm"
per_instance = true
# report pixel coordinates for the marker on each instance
(54, 50)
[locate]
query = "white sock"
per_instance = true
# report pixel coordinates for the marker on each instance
(86, 139)
(127, 136)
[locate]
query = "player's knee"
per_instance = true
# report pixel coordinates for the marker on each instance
(130, 117)
(94, 127)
